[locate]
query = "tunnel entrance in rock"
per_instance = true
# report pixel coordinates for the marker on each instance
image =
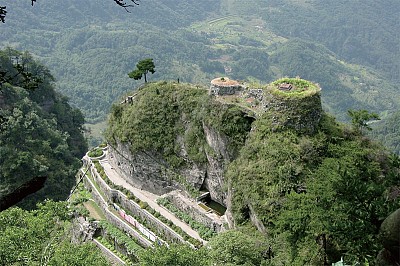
(217, 208)
(208, 204)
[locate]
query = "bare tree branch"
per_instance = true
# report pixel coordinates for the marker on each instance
(3, 13)
(125, 5)
(121, 3)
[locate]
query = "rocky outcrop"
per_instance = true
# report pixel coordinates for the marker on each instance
(31, 186)
(147, 170)
(217, 161)
(390, 238)
(82, 230)
(299, 109)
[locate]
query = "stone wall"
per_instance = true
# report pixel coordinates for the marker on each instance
(257, 94)
(210, 220)
(299, 112)
(134, 208)
(225, 90)
(114, 259)
(112, 218)
(225, 86)
(118, 197)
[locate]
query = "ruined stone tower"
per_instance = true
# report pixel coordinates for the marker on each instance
(293, 103)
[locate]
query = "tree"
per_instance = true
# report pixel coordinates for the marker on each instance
(142, 68)
(360, 118)
(176, 254)
(40, 237)
(39, 146)
(70, 254)
(3, 13)
(236, 248)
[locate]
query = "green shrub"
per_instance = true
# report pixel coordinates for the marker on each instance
(96, 152)
(143, 204)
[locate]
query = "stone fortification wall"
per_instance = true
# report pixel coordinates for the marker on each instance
(114, 259)
(291, 108)
(112, 218)
(210, 220)
(225, 86)
(118, 197)
(301, 112)
(257, 94)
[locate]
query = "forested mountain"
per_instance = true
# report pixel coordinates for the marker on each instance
(41, 139)
(315, 189)
(93, 45)
(361, 32)
(387, 131)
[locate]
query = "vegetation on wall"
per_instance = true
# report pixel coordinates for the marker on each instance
(300, 85)
(231, 248)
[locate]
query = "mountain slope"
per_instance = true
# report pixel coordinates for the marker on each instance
(41, 138)
(92, 46)
(316, 189)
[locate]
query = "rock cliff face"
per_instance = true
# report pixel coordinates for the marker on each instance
(149, 171)
(145, 170)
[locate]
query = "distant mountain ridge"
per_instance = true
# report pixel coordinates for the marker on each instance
(92, 46)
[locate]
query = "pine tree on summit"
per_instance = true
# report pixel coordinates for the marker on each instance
(142, 68)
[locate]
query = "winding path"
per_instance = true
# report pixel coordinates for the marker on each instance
(148, 197)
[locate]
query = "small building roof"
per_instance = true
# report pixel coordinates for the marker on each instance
(224, 82)
(285, 86)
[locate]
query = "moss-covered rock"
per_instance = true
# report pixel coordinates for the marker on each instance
(390, 238)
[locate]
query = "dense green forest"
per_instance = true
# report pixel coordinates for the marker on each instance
(332, 185)
(46, 235)
(316, 197)
(42, 237)
(41, 134)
